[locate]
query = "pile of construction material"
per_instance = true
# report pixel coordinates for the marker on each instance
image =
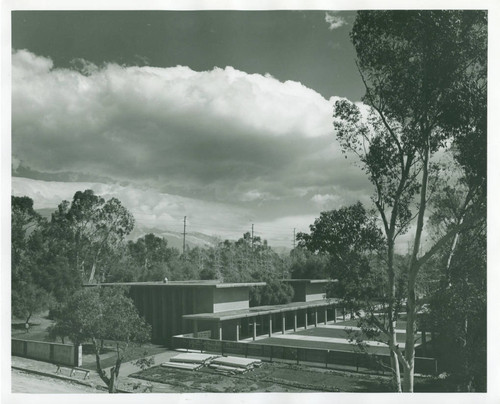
(189, 361)
(223, 364)
(233, 364)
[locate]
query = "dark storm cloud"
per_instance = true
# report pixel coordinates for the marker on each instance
(221, 134)
(291, 45)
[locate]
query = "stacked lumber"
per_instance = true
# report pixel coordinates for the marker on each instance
(185, 366)
(227, 369)
(223, 364)
(187, 350)
(189, 361)
(236, 362)
(193, 357)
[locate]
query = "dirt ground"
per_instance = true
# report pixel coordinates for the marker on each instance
(29, 383)
(270, 377)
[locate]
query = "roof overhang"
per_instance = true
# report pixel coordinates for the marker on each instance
(260, 310)
(177, 284)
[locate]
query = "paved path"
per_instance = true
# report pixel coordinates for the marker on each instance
(333, 340)
(343, 327)
(125, 382)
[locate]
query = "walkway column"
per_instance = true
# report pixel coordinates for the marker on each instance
(305, 316)
(219, 330)
(164, 315)
(283, 323)
(195, 328)
(238, 330)
(270, 325)
(295, 320)
(334, 314)
(315, 317)
(173, 318)
(154, 313)
(326, 315)
(254, 328)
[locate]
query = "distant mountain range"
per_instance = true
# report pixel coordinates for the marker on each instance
(174, 239)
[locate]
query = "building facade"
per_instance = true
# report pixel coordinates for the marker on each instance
(216, 310)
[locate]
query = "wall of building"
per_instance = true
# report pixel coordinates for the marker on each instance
(299, 291)
(204, 300)
(163, 307)
(62, 354)
(230, 299)
(315, 291)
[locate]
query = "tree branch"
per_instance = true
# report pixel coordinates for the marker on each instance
(382, 116)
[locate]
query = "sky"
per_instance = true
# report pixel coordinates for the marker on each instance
(221, 116)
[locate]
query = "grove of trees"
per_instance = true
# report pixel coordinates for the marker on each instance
(85, 242)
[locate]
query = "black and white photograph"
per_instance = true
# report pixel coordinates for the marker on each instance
(248, 199)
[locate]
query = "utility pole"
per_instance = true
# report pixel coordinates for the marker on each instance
(184, 238)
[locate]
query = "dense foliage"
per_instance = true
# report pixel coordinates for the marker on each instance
(96, 314)
(425, 79)
(85, 242)
(352, 241)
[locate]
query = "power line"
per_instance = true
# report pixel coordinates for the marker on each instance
(184, 238)
(278, 236)
(268, 229)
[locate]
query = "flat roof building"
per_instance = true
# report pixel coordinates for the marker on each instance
(212, 309)
(163, 304)
(309, 306)
(307, 290)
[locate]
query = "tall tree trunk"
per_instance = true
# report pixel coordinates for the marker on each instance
(409, 369)
(114, 372)
(452, 252)
(92, 273)
(100, 371)
(391, 314)
(27, 323)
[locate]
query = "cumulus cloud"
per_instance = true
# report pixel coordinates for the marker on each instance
(334, 21)
(223, 132)
(161, 212)
(151, 209)
(327, 199)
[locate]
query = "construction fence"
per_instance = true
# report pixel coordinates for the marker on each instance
(349, 360)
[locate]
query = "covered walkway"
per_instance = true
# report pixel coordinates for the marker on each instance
(235, 325)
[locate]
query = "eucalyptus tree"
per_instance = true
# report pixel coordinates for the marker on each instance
(93, 227)
(425, 82)
(29, 292)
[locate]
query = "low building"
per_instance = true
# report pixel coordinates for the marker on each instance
(309, 307)
(308, 290)
(163, 304)
(212, 309)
